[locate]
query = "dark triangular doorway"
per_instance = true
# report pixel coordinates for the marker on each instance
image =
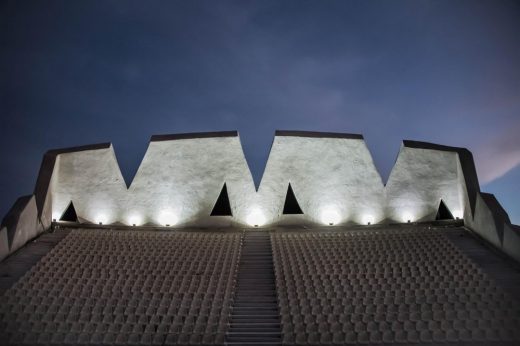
(69, 214)
(443, 213)
(291, 205)
(222, 206)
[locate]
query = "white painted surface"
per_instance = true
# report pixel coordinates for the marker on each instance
(26, 226)
(93, 181)
(334, 180)
(419, 179)
(184, 177)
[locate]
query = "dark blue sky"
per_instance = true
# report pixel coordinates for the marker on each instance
(81, 72)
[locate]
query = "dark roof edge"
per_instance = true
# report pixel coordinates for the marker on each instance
(432, 146)
(79, 148)
(193, 135)
(314, 134)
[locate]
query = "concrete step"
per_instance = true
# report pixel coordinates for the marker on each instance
(254, 318)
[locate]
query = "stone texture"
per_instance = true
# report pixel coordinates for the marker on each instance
(333, 177)
(21, 222)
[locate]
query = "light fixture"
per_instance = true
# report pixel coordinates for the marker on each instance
(407, 217)
(255, 218)
(457, 214)
(330, 216)
(167, 218)
(135, 220)
(367, 219)
(101, 219)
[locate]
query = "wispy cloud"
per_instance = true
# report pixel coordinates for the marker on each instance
(497, 156)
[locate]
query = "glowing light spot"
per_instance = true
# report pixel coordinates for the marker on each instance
(101, 218)
(408, 217)
(167, 218)
(256, 218)
(367, 219)
(457, 214)
(330, 216)
(135, 220)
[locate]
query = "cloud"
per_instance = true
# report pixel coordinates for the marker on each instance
(497, 156)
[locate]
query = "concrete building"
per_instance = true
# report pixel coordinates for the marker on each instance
(314, 186)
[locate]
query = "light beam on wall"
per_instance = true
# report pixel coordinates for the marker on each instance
(367, 219)
(330, 216)
(457, 214)
(101, 218)
(167, 218)
(256, 218)
(135, 220)
(407, 217)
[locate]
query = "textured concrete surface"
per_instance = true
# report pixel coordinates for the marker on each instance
(21, 222)
(332, 175)
(419, 179)
(180, 180)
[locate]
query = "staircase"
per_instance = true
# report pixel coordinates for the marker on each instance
(255, 319)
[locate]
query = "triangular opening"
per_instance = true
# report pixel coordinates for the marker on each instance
(443, 213)
(222, 206)
(69, 214)
(127, 159)
(291, 205)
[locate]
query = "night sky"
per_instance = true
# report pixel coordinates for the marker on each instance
(83, 72)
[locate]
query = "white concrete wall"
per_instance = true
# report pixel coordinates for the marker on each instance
(93, 181)
(333, 177)
(419, 179)
(21, 224)
(180, 180)
(334, 180)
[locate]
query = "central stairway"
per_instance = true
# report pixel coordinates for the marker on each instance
(255, 318)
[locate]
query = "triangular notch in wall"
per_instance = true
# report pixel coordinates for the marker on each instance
(69, 214)
(291, 205)
(222, 206)
(443, 213)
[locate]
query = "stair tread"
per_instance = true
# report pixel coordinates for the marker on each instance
(255, 318)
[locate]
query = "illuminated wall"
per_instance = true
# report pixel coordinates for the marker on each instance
(332, 175)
